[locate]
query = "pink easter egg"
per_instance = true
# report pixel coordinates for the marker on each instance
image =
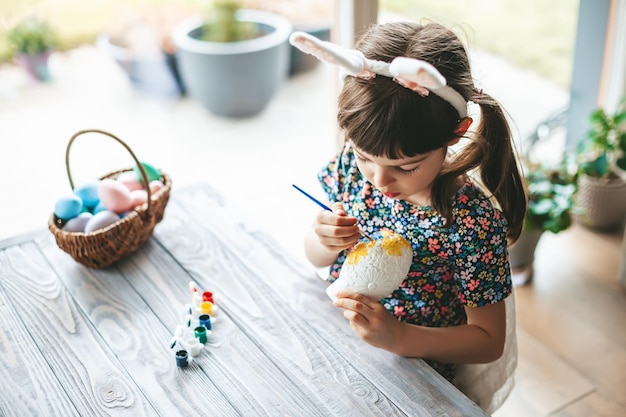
(130, 180)
(114, 196)
(139, 197)
(155, 185)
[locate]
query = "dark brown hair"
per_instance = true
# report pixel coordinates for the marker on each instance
(383, 118)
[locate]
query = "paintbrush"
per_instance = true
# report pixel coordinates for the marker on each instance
(325, 207)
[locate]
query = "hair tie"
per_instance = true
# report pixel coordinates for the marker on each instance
(414, 74)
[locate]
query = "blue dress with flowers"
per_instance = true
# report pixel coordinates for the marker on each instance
(464, 263)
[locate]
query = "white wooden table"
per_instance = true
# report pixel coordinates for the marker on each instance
(81, 342)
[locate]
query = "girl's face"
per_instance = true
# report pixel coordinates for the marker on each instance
(408, 179)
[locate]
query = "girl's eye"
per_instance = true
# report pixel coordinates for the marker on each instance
(360, 158)
(407, 171)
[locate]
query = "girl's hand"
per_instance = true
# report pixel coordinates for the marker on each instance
(336, 230)
(370, 320)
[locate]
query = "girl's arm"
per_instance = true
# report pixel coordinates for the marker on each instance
(331, 233)
(481, 340)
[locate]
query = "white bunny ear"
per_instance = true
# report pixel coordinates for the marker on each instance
(414, 74)
(422, 77)
(351, 60)
(417, 71)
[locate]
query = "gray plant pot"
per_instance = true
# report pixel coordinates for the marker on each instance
(601, 203)
(301, 62)
(522, 253)
(149, 72)
(234, 79)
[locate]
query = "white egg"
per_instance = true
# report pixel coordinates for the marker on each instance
(77, 224)
(101, 220)
(375, 269)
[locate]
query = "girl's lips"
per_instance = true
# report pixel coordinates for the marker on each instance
(391, 195)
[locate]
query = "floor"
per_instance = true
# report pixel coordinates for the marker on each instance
(254, 161)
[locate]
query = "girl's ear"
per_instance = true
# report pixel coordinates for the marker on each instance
(460, 130)
(463, 126)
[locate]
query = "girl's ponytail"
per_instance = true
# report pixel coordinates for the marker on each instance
(499, 169)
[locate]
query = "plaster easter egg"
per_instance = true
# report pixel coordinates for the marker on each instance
(68, 207)
(101, 220)
(375, 269)
(88, 193)
(130, 180)
(152, 172)
(115, 196)
(78, 223)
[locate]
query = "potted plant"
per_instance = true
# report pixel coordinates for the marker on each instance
(601, 158)
(315, 18)
(551, 189)
(139, 40)
(234, 62)
(32, 40)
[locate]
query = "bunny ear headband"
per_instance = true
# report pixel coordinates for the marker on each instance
(414, 74)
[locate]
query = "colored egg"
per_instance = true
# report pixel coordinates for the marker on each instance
(88, 193)
(155, 186)
(375, 269)
(139, 197)
(115, 196)
(101, 220)
(151, 172)
(98, 208)
(78, 223)
(68, 206)
(130, 180)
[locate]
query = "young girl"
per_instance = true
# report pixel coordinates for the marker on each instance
(397, 171)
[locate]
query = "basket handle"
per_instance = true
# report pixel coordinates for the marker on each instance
(144, 175)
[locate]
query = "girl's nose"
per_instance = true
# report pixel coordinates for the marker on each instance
(382, 177)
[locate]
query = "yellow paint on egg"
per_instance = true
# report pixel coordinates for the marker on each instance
(392, 243)
(359, 251)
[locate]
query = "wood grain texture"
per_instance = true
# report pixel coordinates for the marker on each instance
(77, 341)
(82, 364)
(256, 263)
(27, 383)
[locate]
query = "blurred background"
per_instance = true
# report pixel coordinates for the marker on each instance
(543, 42)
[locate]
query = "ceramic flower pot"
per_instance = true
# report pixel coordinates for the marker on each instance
(36, 66)
(234, 79)
(600, 203)
(522, 256)
(150, 71)
(522, 253)
(301, 62)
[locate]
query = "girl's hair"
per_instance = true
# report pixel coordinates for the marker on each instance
(383, 118)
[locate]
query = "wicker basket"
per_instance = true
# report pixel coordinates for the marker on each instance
(103, 247)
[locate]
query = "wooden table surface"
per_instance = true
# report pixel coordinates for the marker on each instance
(81, 342)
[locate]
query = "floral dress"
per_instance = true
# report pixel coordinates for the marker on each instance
(464, 263)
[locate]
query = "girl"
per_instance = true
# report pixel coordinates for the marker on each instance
(397, 171)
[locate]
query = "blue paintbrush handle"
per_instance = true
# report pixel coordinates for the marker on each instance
(315, 200)
(325, 207)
